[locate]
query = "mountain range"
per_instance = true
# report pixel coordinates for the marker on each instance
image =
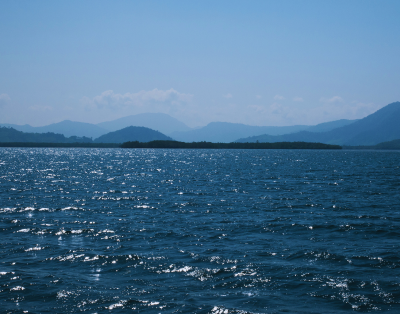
(381, 126)
(156, 121)
(132, 133)
(8, 134)
(223, 132)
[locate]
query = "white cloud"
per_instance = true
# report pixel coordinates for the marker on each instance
(298, 99)
(334, 99)
(109, 99)
(4, 99)
(279, 97)
(257, 108)
(228, 96)
(258, 96)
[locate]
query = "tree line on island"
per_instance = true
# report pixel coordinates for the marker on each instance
(391, 145)
(210, 145)
(179, 145)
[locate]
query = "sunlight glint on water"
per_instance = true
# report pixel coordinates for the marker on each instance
(199, 231)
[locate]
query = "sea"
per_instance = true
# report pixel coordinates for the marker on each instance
(199, 231)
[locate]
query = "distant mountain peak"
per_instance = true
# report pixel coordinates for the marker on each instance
(132, 134)
(161, 122)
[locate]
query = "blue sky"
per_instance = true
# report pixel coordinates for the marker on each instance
(252, 62)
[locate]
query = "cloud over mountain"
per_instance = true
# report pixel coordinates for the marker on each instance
(110, 99)
(334, 99)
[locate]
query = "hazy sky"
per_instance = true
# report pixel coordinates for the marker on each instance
(253, 62)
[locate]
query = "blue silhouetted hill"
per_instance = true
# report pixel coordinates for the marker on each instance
(395, 144)
(131, 134)
(156, 121)
(66, 127)
(381, 126)
(328, 126)
(226, 132)
(213, 132)
(11, 135)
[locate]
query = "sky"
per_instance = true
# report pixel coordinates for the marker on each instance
(270, 63)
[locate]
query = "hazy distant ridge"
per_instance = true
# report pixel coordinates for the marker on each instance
(328, 126)
(131, 133)
(225, 132)
(378, 127)
(66, 127)
(156, 121)
(381, 126)
(8, 135)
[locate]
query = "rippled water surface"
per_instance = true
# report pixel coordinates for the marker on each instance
(199, 231)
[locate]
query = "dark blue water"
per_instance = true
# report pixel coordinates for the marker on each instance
(199, 231)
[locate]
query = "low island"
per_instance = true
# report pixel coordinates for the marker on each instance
(176, 144)
(234, 145)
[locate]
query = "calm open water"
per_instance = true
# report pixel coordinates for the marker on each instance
(199, 231)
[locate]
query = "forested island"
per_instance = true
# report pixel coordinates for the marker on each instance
(210, 145)
(392, 145)
(176, 144)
